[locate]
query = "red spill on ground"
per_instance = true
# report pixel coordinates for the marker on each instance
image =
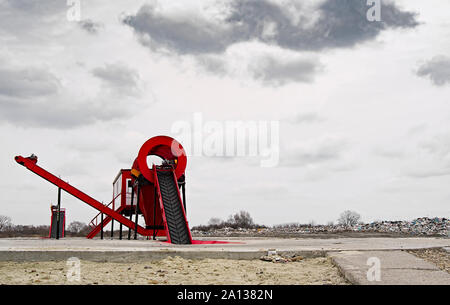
(210, 242)
(199, 242)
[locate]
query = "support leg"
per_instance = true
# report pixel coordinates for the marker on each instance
(154, 215)
(137, 211)
(112, 228)
(131, 214)
(101, 223)
(183, 186)
(58, 212)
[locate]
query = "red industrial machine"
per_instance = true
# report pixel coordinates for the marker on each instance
(156, 192)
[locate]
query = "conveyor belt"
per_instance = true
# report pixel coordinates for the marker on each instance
(173, 208)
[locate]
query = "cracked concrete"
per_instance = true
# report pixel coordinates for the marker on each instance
(388, 268)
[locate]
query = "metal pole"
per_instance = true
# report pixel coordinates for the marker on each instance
(131, 214)
(120, 231)
(58, 212)
(101, 232)
(137, 211)
(112, 228)
(154, 214)
(184, 197)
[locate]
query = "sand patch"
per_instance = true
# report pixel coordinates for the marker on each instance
(175, 270)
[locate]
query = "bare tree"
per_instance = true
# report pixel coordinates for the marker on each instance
(5, 223)
(241, 220)
(76, 227)
(215, 221)
(349, 218)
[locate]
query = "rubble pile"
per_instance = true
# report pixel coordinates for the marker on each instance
(275, 258)
(418, 227)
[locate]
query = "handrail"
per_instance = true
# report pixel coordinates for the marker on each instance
(91, 223)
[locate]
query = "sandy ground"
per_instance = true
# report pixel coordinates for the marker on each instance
(439, 257)
(174, 270)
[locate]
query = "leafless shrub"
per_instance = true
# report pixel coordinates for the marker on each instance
(5, 223)
(76, 227)
(241, 219)
(349, 218)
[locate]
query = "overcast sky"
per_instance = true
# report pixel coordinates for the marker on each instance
(363, 107)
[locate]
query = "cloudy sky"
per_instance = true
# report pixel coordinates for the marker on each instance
(363, 107)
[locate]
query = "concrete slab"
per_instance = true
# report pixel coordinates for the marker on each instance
(248, 248)
(395, 268)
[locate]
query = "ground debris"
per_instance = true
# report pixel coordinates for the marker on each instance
(439, 257)
(275, 258)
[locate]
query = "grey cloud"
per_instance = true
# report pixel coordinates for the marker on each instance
(89, 26)
(213, 64)
(438, 146)
(25, 18)
(437, 69)
(188, 34)
(389, 153)
(437, 150)
(35, 97)
(340, 24)
(118, 78)
(318, 151)
(272, 71)
(429, 173)
(27, 82)
(57, 112)
(308, 117)
(35, 7)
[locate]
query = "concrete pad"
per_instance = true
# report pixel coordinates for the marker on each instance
(396, 268)
(37, 249)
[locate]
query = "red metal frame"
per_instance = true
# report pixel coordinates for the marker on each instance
(164, 147)
(32, 166)
(151, 208)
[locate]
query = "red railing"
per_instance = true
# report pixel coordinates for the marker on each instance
(95, 222)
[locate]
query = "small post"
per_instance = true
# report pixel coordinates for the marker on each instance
(131, 214)
(137, 211)
(58, 212)
(101, 232)
(120, 231)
